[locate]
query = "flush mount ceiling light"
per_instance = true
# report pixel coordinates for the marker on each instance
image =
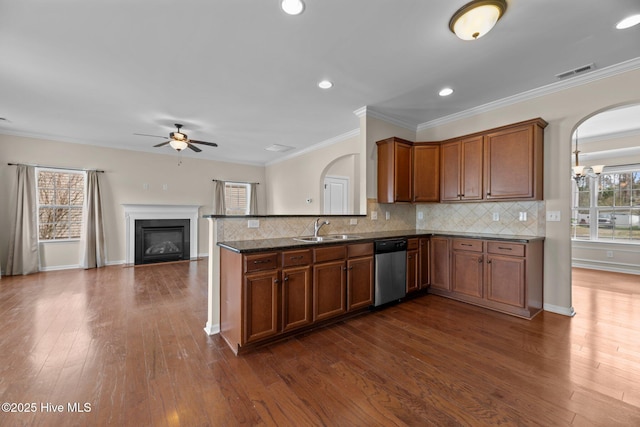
(292, 7)
(446, 91)
(477, 18)
(628, 22)
(325, 84)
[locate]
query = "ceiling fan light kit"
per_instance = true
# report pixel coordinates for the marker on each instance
(179, 140)
(477, 18)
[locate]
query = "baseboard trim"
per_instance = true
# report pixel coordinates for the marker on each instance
(565, 311)
(60, 267)
(613, 268)
(212, 329)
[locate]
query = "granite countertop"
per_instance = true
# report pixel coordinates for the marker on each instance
(260, 245)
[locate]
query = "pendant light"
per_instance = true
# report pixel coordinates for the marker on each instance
(477, 18)
(580, 173)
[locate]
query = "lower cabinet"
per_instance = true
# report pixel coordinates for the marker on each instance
(500, 275)
(266, 295)
(423, 253)
(439, 262)
(413, 265)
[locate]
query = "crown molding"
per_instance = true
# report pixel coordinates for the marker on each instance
(613, 70)
(607, 136)
(369, 112)
(336, 139)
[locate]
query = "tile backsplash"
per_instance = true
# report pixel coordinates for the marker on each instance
(469, 217)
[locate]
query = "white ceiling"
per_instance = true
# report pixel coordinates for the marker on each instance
(243, 74)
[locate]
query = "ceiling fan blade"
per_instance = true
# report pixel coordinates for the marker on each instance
(162, 143)
(193, 147)
(211, 144)
(146, 134)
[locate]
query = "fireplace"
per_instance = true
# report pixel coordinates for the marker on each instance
(161, 240)
(139, 212)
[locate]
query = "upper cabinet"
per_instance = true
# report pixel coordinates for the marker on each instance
(461, 177)
(426, 172)
(505, 163)
(513, 162)
(395, 170)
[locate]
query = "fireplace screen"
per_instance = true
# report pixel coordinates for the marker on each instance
(161, 240)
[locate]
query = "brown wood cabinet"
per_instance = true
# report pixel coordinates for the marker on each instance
(395, 170)
(268, 294)
(423, 254)
(439, 248)
(504, 163)
(513, 162)
(461, 177)
(426, 172)
(500, 275)
(413, 265)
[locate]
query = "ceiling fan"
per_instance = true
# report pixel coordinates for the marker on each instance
(179, 140)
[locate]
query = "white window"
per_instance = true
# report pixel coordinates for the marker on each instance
(607, 208)
(60, 203)
(236, 198)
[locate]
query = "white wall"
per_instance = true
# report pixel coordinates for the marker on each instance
(293, 180)
(564, 110)
(125, 173)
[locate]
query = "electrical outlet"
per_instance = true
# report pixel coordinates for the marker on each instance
(496, 216)
(387, 215)
(374, 215)
(353, 221)
(253, 223)
(609, 254)
(165, 187)
(145, 186)
(553, 216)
(420, 215)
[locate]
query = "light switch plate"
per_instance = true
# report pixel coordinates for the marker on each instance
(353, 221)
(553, 216)
(374, 215)
(522, 216)
(496, 216)
(253, 223)
(420, 215)
(387, 215)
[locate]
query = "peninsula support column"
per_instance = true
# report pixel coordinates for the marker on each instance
(213, 296)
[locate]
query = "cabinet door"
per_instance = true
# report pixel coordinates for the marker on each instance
(426, 173)
(260, 305)
(439, 263)
(359, 283)
(511, 165)
(403, 173)
(296, 298)
(506, 280)
(471, 168)
(329, 290)
(450, 174)
(467, 273)
(412, 271)
(424, 262)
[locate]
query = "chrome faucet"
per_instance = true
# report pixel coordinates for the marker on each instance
(317, 225)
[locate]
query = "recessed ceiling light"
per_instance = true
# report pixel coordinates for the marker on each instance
(292, 7)
(628, 22)
(325, 84)
(446, 91)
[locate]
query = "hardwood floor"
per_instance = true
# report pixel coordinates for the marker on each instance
(130, 343)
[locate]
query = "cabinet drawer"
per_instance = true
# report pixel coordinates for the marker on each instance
(293, 258)
(468, 245)
(412, 244)
(260, 262)
(503, 248)
(359, 249)
(329, 253)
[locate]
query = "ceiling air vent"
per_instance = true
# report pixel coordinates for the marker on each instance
(576, 71)
(279, 148)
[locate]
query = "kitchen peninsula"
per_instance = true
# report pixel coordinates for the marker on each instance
(274, 288)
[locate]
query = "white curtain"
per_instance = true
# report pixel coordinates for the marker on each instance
(219, 207)
(92, 242)
(253, 202)
(24, 257)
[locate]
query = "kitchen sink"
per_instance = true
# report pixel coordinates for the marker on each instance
(329, 238)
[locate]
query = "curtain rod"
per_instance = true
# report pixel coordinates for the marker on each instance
(239, 182)
(54, 167)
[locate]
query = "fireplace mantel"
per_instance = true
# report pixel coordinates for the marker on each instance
(132, 212)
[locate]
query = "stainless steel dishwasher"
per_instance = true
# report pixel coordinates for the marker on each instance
(390, 270)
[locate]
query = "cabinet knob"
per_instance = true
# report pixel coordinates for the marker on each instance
(489, 261)
(480, 260)
(286, 278)
(276, 281)
(489, 193)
